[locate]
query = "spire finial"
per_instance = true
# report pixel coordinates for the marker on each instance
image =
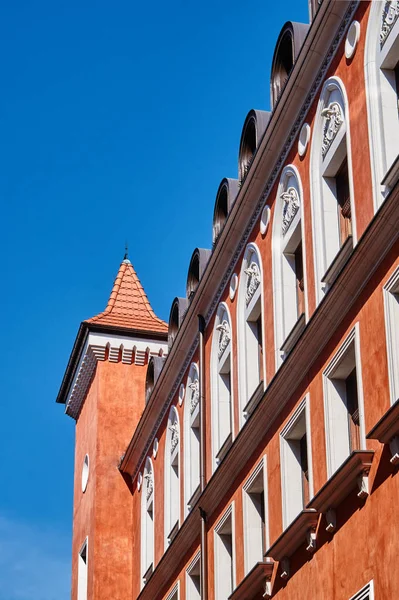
(125, 258)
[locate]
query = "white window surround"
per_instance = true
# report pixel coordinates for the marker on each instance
(191, 435)
(335, 411)
(85, 472)
(325, 221)
(147, 519)
(248, 379)
(366, 593)
(382, 111)
(253, 528)
(174, 593)
(222, 400)
(172, 475)
(391, 311)
(291, 474)
(283, 247)
(193, 578)
(224, 564)
(83, 570)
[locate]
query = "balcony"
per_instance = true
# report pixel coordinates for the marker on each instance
(338, 263)
(293, 335)
(256, 584)
(253, 401)
(386, 431)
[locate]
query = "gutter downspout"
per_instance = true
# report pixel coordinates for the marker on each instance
(204, 540)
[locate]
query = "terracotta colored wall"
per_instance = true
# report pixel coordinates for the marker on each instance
(104, 513)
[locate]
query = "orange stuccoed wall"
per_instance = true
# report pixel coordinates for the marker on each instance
(104, 512)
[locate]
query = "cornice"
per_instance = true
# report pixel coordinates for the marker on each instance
(375, 244)
(318, 50)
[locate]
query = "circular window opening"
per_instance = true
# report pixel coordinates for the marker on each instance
(85, 473)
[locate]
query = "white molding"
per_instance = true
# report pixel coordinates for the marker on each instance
(352, 38)
(173, 592)
(366, 593)
(144, 501)
(339, 439)
(189, 485)
(95, 349)
(325, 234)
(391, 315)
(195, 562)
(241, 324)
(83, 588)
(230, 512)
(168, 524)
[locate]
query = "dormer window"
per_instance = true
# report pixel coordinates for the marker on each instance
(196, 269)
(177, 312)
(254, 127)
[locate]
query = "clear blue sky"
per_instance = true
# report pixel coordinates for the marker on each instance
(118, 121)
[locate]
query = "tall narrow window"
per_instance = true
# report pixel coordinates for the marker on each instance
(192, 438)
(334, 223)
(221, 370)
(147, 522)
(255, 524)
(296, 477)
(82, 571)
(224, 556)
(172, 477)
(251, 356)
(343, 403)
(193, 579)
(391, 306)
(288, 264)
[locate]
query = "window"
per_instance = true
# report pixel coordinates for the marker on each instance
(381, 73)
(251, 358)
(192, 437)
(391, 304)
(82, 571)
(334, 225)
(174, 594)
(221, 369)
(343, 401)
(296, 463)
(256, 538)
(193, 579)
(172, 477)
(147, 522)
(224, 556)
(288, 263)
(366, 593)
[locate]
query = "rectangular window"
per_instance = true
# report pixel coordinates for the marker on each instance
(343, 403)
(174, 594)
(225, 415)
(193, 579)
(391, 305)
(224, 556)
(255, 525)
(254, 341)
(82, 571)
(300, 286)
(344, 202)
(366, 593)
(296, 463)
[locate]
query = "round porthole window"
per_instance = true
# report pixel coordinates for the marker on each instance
(181, 394)
(233, 286)
(155, 448)
(85, 473)
(303, 140)
(264, 220)
(352, 39)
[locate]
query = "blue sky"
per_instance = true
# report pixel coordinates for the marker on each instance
(118, 121)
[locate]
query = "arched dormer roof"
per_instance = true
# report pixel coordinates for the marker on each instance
(177, 312)
(254, 127)
(154, 368)
(198, 262)
(288, 46)
(226, 194)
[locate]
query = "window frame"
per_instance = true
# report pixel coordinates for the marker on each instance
(391, 317)
(229, 513)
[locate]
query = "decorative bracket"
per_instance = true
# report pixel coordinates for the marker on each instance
(285, 568)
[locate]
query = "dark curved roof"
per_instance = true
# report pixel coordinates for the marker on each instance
(258, 120)
(227, 191)
(198, 262)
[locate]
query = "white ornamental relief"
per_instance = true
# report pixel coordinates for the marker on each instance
(253, 281)
(390, 14)
(224, 336)
(290, 207)
(194, 399)
(149, 485)
(333, 121)
(174, 438)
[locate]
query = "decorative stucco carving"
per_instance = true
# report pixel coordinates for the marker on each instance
(174, 438)
(149, 484)
(334, 118)
(194, 399)
(224, 336)
(253, 281)
(390, 14)
(290, 207)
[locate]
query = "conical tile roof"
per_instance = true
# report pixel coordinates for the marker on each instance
(128, 305)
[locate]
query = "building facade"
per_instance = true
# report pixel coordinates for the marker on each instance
(249, 448)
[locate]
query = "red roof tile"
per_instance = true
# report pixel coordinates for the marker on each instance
(128, 305)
